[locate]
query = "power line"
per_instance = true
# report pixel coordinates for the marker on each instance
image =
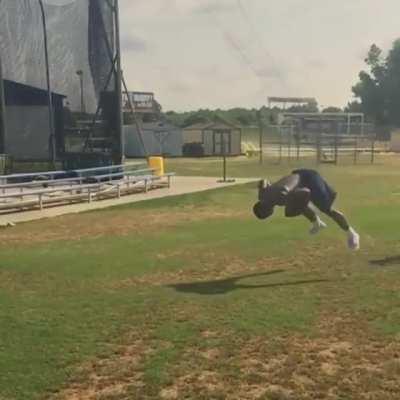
(256, 34)
(236, 45)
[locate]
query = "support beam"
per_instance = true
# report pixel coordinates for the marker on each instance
(2, 112)
(52, 139)
(118, 84)
(260, 129)
(132, 110)
(348, 124)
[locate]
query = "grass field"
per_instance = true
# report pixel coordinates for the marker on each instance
(193, 298)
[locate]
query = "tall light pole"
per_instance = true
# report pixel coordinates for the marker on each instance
(80, 74)
(2, 112)
(52, 139)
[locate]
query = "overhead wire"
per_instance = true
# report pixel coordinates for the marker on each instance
(235, 44)
(255, 33)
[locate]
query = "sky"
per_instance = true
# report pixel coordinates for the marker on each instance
(235, 53)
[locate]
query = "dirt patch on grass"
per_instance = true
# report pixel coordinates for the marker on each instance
(105, 223)
(207, 385)
(112, 377)
(342, 361)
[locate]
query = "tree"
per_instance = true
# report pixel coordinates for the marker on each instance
(392, 85)
(195, 118)
(376, 63)
(378, 90)
(353, 107)
(372, 97)
(332, 110)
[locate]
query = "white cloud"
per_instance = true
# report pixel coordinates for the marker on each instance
(224, 53)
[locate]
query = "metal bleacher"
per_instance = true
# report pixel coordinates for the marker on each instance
(44, 189)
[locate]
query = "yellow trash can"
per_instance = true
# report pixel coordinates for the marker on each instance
(157, 163)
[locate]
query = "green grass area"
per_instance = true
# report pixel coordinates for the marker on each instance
(192, 297)
(242, 167)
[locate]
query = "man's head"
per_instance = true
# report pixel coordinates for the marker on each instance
(262, 210)
(269, 196)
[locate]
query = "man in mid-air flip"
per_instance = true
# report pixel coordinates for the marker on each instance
(298, 193)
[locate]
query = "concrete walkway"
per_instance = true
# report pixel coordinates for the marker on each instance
(179, 185)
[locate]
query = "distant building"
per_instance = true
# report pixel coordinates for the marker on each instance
(146, 132)
(285, 102)
(144, 104)
(155, 138)
(212, 139)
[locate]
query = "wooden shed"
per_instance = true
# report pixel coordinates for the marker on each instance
(160, 138)
(212, 137)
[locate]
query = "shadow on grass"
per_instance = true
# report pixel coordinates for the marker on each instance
(386, 262)
(224, 286)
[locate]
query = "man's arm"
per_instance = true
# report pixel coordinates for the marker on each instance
(290, 182)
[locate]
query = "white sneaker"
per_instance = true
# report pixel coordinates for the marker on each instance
(353, 240)
(318, 225)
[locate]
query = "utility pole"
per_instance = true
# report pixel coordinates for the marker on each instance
(224, 157)
(52, 139)
(223, 135)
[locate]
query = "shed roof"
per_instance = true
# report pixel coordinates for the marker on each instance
(159, 126)
(19, 94)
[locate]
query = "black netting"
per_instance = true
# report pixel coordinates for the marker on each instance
(81, 54)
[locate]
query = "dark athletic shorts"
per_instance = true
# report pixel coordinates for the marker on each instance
(322, 195)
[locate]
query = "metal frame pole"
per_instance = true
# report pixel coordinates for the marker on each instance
(2, 112)
(52, 139)
(223, 134)
(132, 109)
(336, 144)
(297, 141)
(96, 114)
(82, 98)
(362, 125)
(260, 128)
(224, 156)
(348, 124)
(373, 150)
(118, 85)
(318, 147)
(80, 74)
(355, 149)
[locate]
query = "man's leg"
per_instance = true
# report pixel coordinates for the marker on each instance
(318, 224)
(353, 237)
(339, 218)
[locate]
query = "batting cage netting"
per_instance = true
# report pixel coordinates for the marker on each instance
(83, 66)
